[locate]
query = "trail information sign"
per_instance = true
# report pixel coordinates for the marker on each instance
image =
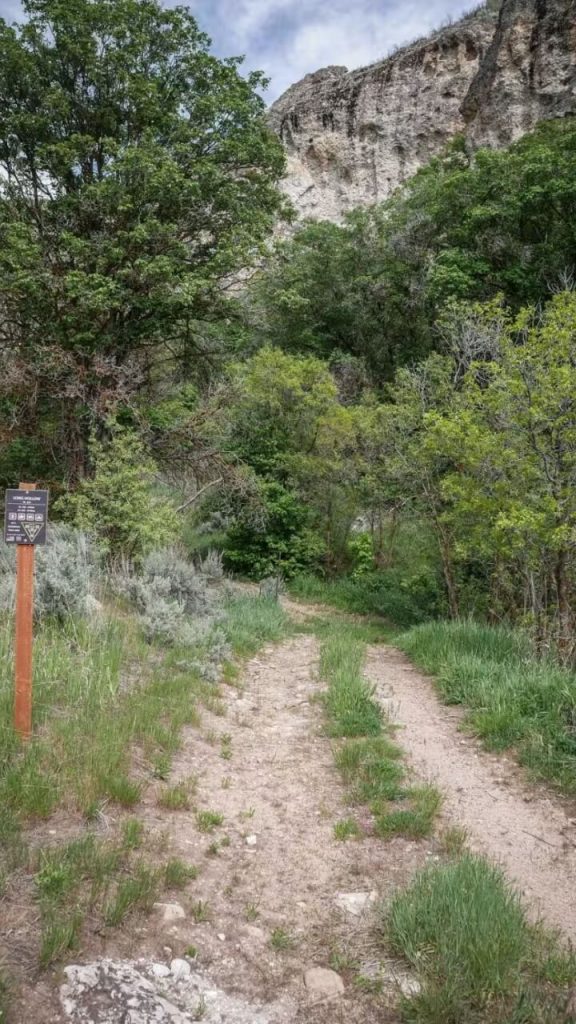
(26, 517)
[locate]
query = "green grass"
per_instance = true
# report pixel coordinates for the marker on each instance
(369, 761)
(513, 699)
(352, 711)
(87, 721)
(137, 892)
(464, 932)
(177, 873)
(281, 940)
(347, 829)
(252, 622)
(176, 797)
(207, 821)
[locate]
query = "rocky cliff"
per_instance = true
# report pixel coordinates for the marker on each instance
(352, 137)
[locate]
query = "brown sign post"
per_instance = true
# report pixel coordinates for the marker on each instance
(25, 525)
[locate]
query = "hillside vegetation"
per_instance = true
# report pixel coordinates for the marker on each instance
(380, 415)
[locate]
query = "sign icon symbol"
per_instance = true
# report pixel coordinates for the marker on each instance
(32, 530)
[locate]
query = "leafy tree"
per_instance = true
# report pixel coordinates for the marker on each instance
(117, 504)
(463, 229)
(136, 173)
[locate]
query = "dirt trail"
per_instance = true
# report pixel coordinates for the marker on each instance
(276, 894)
(524, 829)
(280, 872)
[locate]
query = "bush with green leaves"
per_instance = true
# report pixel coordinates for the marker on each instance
(283, 542)
(118, 504)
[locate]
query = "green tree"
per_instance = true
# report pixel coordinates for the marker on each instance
(117, 504)
(136, 173)
(463, 229)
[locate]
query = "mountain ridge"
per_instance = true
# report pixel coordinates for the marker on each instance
(351, 137)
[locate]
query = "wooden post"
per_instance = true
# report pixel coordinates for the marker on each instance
(24, 635)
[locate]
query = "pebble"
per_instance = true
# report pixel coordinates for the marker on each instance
(251, 840)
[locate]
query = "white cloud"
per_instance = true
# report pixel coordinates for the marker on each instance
(290, 38)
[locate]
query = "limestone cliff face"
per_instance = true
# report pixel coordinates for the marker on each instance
(352, 137)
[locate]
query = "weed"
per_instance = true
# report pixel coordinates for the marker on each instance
(252, 622)
(351, 708)
(200, 911)
(226, 782)
(162, 766)
(191, 951)
(225, 841)
(201, 1009)
(177, 874)
(413, 821)
(207, 821)
(175, 798)
(226, 747)
(341, 961)
(123, 790)
(132, 834)
(281, 940)
(347, 829)
(251, 912)
(453, 841)
(247, 815)
(213, 849)
(59, 935)
(137, 892)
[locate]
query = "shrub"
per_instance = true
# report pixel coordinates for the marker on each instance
(117, 504)
(66, 575)
(212, 565)
(168, 571)
(282, 542)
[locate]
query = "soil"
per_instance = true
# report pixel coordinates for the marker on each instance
(277, 875)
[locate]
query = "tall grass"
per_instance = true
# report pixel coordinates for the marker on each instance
(514, 700)
(252, 622)
(370, 763)
(463, 930)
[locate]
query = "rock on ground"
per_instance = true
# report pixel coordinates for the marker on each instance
(126, 992)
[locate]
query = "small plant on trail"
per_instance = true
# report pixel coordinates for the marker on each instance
(177, 873)
(347, 829)
(175, 798)
(59, 935)
(138, 891)
(251, 912)
(132, 834)
(207, 821)
(463, 930)
(281, 940)
(453, 841)
(200, 911)
(226, 747)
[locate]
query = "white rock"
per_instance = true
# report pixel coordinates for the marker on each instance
(323, 983)
(251, 840)
(356, 903)
(180, 969)
(160, 971)
(170, 912)
(221, 936)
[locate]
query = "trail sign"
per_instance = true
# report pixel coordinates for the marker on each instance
(26, 517)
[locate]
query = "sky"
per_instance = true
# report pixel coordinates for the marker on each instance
(287, 39)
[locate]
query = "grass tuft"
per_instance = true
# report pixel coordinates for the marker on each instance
(177, 873)
(463, 930)
(207, 821)
(137, 892)
(175, 798)
(347, 829)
